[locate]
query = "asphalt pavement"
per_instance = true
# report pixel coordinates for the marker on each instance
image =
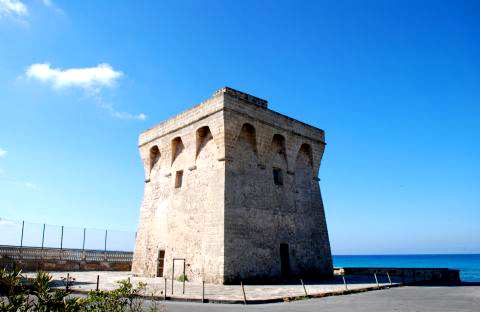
(407, 299)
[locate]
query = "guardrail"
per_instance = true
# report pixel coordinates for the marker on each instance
(37, 258)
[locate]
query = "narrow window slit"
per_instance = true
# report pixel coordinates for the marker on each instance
(277, 176)
(178, 179)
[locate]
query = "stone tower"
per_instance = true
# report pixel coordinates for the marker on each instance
(232, 187)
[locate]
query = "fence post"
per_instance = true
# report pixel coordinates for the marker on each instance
(98, 281)
(43, 235)
(21, 237)
(173, 273)
(43, 240)
(105, 245)
(203, 291)
(165, 289)
(244, 296)
(61, 240)
(184, 277)
(83, 245)
(61, 244)
(304, 289)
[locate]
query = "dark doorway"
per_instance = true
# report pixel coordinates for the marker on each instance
(285, 260)
(161, 261)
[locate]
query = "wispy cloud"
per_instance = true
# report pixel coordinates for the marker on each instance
(91, 79)
(122, 115)
(50, 4)
(4, 221)
(27, 184)
(13, 8)
(3, 153)
(30, 185)
(88, 78)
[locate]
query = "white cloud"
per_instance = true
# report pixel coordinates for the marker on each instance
(51, 5)
(30, 185)
(4, 221)
(3, 153)
(14, 8)
(19, 183)
(122, 115)
(89, 78)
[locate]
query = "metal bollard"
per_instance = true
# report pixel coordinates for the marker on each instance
(244, 296)
(165, 290)
(68, 281)
(98, 281)
(389, 279)
(304, 289)
(376, 280)
(184, 278)
(203, 291)
(345, 282)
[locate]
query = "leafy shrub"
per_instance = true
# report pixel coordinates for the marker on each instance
(182, 278)
(17, 296)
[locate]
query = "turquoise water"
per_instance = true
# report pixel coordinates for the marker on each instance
(468, 264)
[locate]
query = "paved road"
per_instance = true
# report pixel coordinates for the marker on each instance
(405, 299)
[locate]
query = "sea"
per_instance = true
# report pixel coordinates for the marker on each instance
(468, 264)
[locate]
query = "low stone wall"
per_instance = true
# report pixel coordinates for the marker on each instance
(415, 274)
(56, 259)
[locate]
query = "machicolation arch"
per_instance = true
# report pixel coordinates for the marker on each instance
(247, 139)
(177, 148)
(154, 156)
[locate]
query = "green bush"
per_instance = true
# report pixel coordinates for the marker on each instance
(182, 278)
(19, 295)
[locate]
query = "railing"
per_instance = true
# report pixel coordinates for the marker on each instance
(39, 254)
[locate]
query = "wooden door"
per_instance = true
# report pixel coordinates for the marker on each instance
(161, 261)
(284, 260)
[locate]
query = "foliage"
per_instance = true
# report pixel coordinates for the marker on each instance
(182, 278)
(125, 298)
(16, 295)
(48, 300)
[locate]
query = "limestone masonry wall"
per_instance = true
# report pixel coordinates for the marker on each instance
(232, 187)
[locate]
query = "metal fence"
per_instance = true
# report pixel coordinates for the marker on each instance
(46, 254)
(30, 234)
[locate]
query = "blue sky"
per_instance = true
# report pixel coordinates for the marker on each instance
(394, 84)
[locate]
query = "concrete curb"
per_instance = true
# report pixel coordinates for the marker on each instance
(261, 301)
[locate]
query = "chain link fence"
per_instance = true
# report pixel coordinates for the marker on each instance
(31, 234)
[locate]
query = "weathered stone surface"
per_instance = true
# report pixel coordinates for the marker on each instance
(211, 196)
